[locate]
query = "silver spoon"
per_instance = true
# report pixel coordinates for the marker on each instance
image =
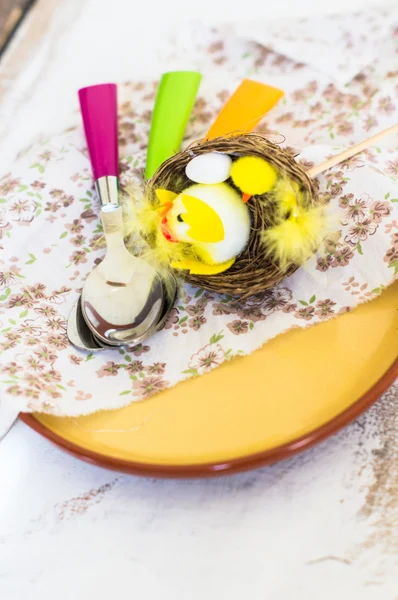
(82, 338)
(123, 297)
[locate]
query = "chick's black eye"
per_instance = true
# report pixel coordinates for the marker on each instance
(180, 219)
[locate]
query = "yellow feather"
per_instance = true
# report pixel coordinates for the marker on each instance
(294, 240)
(144, 237)
(195, 267)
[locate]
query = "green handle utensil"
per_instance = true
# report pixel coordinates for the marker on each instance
(173, 105)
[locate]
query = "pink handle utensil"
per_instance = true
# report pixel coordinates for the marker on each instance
(98, 105)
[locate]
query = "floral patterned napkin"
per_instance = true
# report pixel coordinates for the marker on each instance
(339, 46)
(49, 229)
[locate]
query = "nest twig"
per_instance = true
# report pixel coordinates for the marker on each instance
(254, 271)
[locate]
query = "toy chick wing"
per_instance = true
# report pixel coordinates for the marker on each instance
(205, 224)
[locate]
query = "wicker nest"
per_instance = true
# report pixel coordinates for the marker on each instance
(254, 271)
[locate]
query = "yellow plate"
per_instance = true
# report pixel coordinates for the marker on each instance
(296, 390)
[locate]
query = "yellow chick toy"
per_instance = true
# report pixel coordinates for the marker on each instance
(212, 219)
(253, 175)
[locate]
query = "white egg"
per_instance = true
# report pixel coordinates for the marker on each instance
(212, 167)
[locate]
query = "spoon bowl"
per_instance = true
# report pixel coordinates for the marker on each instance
(123, 296)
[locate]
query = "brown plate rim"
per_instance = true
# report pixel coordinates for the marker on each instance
(235, 465)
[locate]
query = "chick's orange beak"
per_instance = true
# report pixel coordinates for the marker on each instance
(164, 228)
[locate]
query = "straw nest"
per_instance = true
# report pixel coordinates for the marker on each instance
(255, 270)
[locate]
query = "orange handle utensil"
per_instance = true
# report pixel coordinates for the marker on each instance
(244, 109)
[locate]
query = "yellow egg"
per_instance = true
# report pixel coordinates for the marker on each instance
(253, 175)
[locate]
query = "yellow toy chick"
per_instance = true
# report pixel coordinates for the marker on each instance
(212, 219)
(253, 175)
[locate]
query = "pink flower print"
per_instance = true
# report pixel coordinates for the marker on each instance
(46, 354)
(79, 240)
(53, 206)
(140, 349)
(97, 242)
(34, 363)
(306, 313)
(56, 324)
(78, 257)
(62, 290)
(391, 226)
(370, 122)
(11, 335)
(67, 200)
(172, 319)
(9, 277)
(157, 368)
(316, 108)
(276, 299)
(391, 255)
(8, 344)
(197, 322)
(14, 390)
(8, 184)
(56, 193)
(75, 360)
(325, 308)
(11, 368)
(46, 311)
(110, 369)
(360, 232)
(89, 215)
(38, 185)
(75, 227)
(345, 128)
(323, 263)
(285, 118)
(393, 167)
(136, 366)
(80, 395)
(342, 257)
(23, 211)
(149, 385)
(28, 328)
(37, 291)
(46, 155)
(385, 105)
(16, 300)
(53, 392)
(357, 209)
(5, 224)
(379, 210)
(251, 313)
(33, 381)
(238, 327)
(206, 358)
(195, 310)
(221, 308)
(31, 393)
(57, 341)
(30, 341)
(51, 376)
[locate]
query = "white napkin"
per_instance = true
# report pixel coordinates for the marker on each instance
(339, 46)
(49, 225)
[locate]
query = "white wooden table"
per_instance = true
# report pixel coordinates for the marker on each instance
(321, 525)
